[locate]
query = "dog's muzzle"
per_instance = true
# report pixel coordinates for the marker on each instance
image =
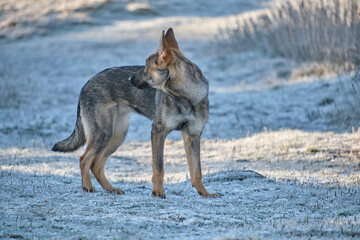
(133, 80)
(139, 84)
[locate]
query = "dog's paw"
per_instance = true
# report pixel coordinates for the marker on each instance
(116, 191)
(209, 195)
(213, 195)
(160, 194)
(88, 189)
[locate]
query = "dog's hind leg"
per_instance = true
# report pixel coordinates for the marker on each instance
(192, 150)
(85, 162)
(98, 132)
(120, 128)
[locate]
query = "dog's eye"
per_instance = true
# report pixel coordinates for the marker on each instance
(156, 60)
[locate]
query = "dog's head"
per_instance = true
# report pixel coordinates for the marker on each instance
(156, 70)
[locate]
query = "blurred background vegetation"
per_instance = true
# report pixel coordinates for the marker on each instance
(325, 32)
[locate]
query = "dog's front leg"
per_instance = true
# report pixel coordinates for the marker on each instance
(158, 135)
(192, 150)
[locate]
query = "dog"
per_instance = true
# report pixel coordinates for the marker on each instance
(169, 89)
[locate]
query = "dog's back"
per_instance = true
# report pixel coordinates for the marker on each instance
(112, 86)
(107, 88)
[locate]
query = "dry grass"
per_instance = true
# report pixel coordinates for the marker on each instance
(347, 111)
(307, 31)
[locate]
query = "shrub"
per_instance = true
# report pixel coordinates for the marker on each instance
(325, 31)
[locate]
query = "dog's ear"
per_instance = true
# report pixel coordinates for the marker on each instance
(170, 39)
(164, 49)
(163, 46)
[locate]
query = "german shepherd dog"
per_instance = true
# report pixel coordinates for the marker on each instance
(170, 90)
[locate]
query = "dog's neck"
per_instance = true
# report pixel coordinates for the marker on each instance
(186, 80)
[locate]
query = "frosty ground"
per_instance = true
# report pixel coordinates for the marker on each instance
(283, 165)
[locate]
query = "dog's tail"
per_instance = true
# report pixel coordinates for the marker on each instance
(76, 139)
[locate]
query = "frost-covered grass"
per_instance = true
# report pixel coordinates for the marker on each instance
(9, 85)
(309, 187)
(48, 206)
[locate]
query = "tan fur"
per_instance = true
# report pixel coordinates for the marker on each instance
(85, 162)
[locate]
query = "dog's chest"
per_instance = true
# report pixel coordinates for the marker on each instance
(176, 113)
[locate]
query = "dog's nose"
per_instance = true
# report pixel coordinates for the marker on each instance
(131, 78)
